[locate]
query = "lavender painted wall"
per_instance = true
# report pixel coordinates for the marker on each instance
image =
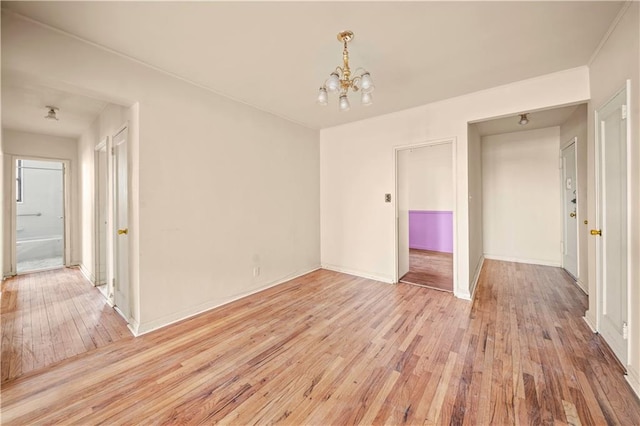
(431, 230)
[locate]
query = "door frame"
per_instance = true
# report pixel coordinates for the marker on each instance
(66, 211)
(574, 141)
(104, 144)
(598, 211)
(453, 142)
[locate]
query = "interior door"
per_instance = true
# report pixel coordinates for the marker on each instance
(121, 219)
(611, 220)
(569, 211)
(402, 218)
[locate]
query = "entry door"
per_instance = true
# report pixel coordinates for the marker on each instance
(570, 208)
(121, 216)
(612, 262)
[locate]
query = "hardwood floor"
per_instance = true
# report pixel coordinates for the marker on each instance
(431, 269)
(329, 348)
(51, 316)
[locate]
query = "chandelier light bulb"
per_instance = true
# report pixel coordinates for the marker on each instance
(366, 99)
(344, 103)
(323, 97)
(366, 83)
(333, 82)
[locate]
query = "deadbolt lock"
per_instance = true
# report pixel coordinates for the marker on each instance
(123, 231)
(596, 232)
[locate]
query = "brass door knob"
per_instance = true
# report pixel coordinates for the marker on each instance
(596, 232)
(572, 214)
(123, 231)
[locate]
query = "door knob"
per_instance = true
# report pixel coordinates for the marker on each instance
(123, 231)
(572, 214)
(596, 232)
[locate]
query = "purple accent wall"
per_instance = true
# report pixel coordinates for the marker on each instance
(431, 230)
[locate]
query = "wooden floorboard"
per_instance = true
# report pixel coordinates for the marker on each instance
(329, 348)
(50, 316)
(431, 269)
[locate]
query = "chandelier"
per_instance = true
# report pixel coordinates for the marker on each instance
(340, 81)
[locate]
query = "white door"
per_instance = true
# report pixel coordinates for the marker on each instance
(611, 220)
(121, 216)
(402, 212)
(569, 210)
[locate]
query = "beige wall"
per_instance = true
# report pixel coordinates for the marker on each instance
(617, 61)
(576, 127)
(357, 168)
(521, 196)
(218, 188)
(17, 143)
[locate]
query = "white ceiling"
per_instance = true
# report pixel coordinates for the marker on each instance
(537, 120)
(23, 107)
(275, 55)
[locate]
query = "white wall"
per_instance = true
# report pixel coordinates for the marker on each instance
(16, 143)
(617, 61)
(357, 168)
(576, 127)
(476, 238)
(218, 187)
(430, 178)
(521, 196)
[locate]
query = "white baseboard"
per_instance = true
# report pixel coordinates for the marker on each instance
(476, 277)
(88, 275)
(357, 273)
(522, 260)
(582, 287)
(139, 329)
(590, 323)
(633, 378)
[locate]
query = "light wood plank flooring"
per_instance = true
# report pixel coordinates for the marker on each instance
(50, 316)
(430, 269)
(330, 348)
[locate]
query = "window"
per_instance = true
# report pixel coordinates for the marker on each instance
(19, 177)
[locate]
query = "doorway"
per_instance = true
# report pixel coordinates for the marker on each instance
(612, 226)
(570, 209)
(39, 229)
(425, 215)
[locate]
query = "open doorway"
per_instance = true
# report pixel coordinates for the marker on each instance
(425, 208)
(39, 214)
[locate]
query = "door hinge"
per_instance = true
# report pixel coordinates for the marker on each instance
(113, 151)
(623, 111)
(625, 331)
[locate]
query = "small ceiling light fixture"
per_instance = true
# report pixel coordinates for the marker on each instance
(51, 114)
(523, 119)
(340, 80)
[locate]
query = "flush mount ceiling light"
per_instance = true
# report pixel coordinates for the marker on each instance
(340, 80)
(51, 114)
(523, 119)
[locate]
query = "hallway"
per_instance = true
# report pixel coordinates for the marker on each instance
(51, 316)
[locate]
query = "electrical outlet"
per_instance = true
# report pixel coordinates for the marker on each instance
(387, 198)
